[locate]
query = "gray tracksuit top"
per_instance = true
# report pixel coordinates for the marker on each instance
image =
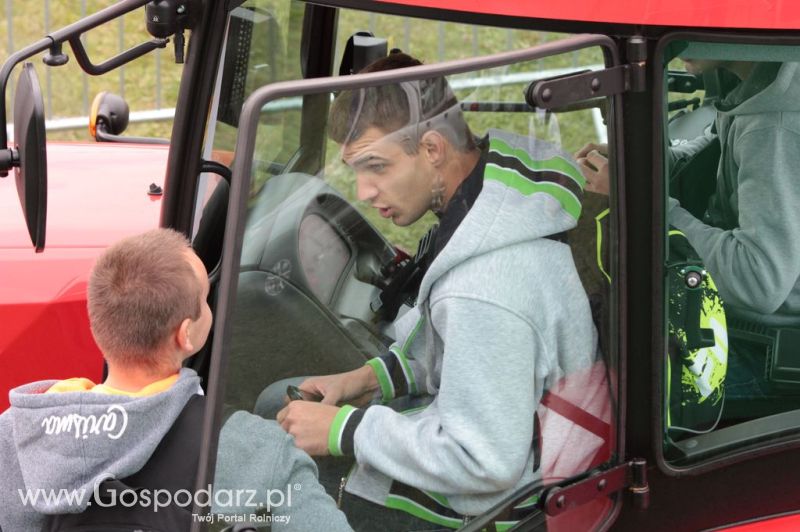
(71, 441)
(500, 316)
(749, 239)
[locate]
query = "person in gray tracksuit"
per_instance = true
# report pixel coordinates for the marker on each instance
(500, 316)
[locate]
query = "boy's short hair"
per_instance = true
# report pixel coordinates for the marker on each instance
(140, 290)
(413, 107)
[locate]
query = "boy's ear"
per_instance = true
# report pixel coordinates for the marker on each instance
(182, 337)
(433, 146)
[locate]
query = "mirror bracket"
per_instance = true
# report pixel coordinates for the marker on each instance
(55, 56)
(9, 158)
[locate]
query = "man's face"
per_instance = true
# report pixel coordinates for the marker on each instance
(199, 328)
(397, 184)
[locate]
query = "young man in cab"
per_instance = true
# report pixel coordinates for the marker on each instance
(78, 453)
(500, 314)
(747, 234)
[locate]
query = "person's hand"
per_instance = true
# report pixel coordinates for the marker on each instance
(355, 387)
(309, 423)
(593, 161)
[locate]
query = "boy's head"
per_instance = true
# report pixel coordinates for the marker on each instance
(147, 301)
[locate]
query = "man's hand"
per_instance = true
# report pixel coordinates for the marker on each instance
(309, 423)
(355, 387)
(593, 162)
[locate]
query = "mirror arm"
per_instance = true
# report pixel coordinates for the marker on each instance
(64, 34)
(118, 60)
(101, 135)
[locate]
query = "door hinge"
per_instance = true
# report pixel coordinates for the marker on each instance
(630, 476)
(561, 91)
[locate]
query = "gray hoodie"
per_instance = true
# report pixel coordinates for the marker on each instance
(56, 447)
(500, 316)
(749, 237)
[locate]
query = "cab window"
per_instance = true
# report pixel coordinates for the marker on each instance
(732, 321)
(334, 258)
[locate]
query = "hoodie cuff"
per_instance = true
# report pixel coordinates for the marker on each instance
(341, 436)
(383, 372)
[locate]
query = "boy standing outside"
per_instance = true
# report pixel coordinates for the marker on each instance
(60, 440)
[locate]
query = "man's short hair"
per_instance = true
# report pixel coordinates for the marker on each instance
(413, 107)
(140, 290)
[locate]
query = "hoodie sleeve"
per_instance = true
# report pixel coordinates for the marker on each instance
(478, 437)
(757, 264)
(398, 372)
(679, 154)
(258, 462)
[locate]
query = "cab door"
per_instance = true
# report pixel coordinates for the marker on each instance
(723, 422)
(306, 266)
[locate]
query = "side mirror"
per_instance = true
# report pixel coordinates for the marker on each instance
(29, 141)
(109, 115)
(109, 119)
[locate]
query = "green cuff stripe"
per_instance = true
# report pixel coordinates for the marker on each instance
(554, 164)
(413, 335)
(337, 427)
(438, 497)
(384, 379)
(569, 202)
(407, 371)
(404, 504)
(401, 356)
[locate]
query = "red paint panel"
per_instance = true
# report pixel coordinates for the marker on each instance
(97, 194)
(45, 333)
(766, 14)
(789, 523)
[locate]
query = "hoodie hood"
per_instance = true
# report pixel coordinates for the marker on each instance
(770, 88)
(70, 442)
(524, 179)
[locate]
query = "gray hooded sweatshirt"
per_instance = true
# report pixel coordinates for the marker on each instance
(501, 315)
(748, 238)
(56, 447)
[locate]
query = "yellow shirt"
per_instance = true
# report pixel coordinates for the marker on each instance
(81, 384)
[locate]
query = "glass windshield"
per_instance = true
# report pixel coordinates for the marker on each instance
(435, 235)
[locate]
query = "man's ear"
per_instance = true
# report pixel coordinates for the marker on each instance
(182, 337)
(434, 147)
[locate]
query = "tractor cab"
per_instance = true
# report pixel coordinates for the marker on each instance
(682, 239)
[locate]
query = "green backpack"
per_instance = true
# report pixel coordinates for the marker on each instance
(697, 352)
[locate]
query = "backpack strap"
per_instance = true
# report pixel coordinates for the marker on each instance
(172, 466)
